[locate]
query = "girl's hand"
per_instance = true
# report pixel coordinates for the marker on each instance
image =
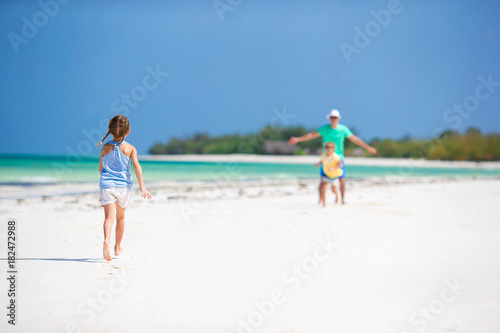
(145, 194)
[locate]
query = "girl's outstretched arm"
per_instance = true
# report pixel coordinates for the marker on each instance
(138, 173)
(100, 162)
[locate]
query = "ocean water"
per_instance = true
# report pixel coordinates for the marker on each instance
(28, 170)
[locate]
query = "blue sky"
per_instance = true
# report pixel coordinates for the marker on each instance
(228, 75)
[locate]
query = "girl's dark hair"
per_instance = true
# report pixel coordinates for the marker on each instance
(118, 127)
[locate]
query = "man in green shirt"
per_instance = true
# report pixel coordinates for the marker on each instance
(335, 133)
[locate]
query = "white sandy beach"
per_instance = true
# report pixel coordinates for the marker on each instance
(414, 257)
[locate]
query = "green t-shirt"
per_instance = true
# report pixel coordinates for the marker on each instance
(336, 135)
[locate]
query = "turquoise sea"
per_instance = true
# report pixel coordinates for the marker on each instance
(28, 170)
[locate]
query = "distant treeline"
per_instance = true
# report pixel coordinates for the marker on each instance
(450, 145)
(203, 143)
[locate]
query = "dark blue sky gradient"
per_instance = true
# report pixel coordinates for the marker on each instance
(227, 76)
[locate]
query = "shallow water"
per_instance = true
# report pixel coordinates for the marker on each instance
(30, 170)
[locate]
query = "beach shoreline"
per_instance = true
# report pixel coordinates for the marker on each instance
(194, 172)
(311, 159)
(185, 189)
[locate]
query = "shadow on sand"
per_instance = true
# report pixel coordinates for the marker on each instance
(88, 260)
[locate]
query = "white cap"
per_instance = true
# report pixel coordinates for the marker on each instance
(334, 113)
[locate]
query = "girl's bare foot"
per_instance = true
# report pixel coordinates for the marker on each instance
(118, 250)
(106, 251)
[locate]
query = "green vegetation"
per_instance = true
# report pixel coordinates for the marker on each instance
(202, 143)
(450, 145)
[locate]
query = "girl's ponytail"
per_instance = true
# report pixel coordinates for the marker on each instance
(119, 127)
(100, 143)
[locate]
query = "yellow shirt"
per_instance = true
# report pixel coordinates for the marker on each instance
(330, 162)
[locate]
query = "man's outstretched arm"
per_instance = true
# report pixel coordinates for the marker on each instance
(306, 137)
(354, 139)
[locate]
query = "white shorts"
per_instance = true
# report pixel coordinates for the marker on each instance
(115, 194)
(331, 181)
